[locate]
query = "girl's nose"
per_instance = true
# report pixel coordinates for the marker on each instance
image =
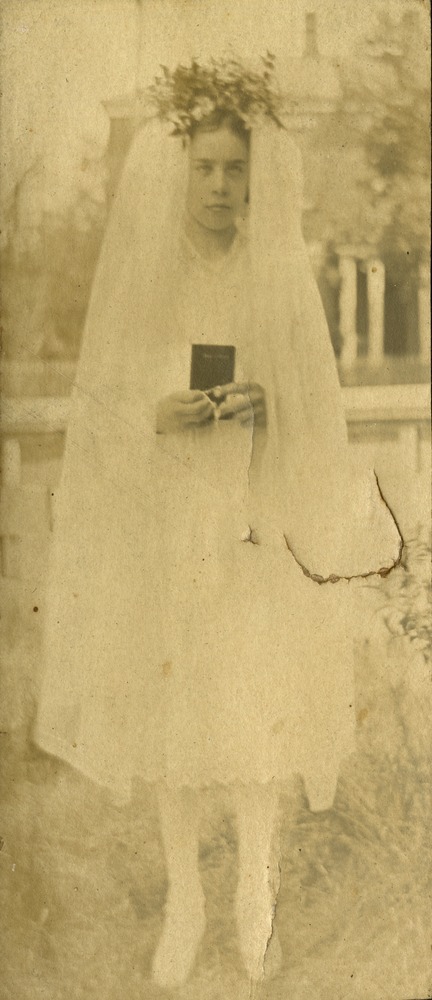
(219, 180)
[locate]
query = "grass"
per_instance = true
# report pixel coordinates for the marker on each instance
(83, 882)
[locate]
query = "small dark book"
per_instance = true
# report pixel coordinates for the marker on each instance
(211, 365)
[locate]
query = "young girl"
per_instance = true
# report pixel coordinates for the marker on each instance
(188, 640)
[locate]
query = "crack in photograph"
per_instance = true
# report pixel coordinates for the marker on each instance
(215, 538)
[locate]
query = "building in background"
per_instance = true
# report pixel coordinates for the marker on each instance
(368, 196)
(351, 84)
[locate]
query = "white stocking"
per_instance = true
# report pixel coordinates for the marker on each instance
(256, 808)
(185, 905)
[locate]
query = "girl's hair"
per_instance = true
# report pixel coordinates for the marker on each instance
(222, 119)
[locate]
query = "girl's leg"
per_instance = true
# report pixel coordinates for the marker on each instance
(180, 814)
(256, 808)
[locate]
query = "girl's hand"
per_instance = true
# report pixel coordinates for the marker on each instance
(245, 401)
(182, 410)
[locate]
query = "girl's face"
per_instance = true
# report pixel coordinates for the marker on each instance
(218, 178)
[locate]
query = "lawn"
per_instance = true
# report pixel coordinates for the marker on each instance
(83, 882)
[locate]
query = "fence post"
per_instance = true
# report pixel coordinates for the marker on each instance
(409, 443)
(11, 479)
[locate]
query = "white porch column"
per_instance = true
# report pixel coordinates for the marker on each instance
(424, 312)
(348, 309)
(375, 295)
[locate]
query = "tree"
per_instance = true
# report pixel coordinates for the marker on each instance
(374, 147)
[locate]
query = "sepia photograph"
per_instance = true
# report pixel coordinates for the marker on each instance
(215, 537)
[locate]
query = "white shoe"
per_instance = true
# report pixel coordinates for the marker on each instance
(262, 963)
(178, 945)
(254, 922)
(273, 956)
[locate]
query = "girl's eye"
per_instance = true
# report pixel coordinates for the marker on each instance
(233, 171)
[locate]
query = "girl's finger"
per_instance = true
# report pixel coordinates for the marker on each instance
(198, 416)
(199, 421)
(235, 404)
(188, 397)
(231, 388)
(201, 406)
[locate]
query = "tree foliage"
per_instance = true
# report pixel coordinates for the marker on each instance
(379, 136)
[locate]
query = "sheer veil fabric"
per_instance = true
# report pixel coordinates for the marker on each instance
(129, 525)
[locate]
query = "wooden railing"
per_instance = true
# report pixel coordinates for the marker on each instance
(26, 505)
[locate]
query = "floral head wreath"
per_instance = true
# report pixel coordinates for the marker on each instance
(192, 93)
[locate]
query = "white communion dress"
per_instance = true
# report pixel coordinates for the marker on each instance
(227, 664)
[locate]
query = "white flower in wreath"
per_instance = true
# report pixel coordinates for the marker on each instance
(205, 107)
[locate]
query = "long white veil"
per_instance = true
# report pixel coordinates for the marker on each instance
(126, 491)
